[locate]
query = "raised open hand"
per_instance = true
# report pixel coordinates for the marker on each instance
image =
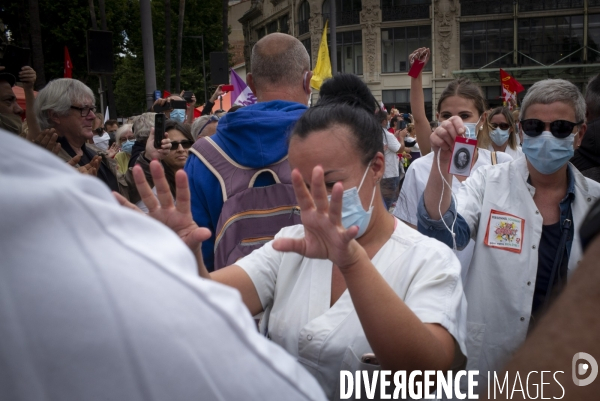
(47, 140)
(113, 150)
(91, 168)
(324, 235)
(175, 215)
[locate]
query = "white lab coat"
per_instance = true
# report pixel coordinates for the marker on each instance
(414, 185)
(98, 302)
(296, 294)
(500, 284)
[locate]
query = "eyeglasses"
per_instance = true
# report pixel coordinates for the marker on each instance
(503, 126)
(559, 128)
(85, 111)
(184, 144)
(212, 119)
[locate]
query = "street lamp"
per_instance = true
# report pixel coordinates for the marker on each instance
(203, 67)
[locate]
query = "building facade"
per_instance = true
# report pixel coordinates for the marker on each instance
(530, 39)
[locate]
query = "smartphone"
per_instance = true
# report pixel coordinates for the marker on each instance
(14, 59)
(227, 88)
(178, 104)
(406, 117)
(159, 129)
(187, 95)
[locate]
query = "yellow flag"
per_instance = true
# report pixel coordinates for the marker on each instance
(322, 70)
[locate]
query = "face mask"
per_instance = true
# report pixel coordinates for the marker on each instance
(353, 213)
(471, 129)
(547, 153)
(499, 136)
(127, 146)
(178, 115)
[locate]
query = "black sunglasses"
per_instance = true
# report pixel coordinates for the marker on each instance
(559, 128)
(184, 144)
(503, 126)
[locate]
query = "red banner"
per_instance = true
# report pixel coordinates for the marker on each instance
(68, 71)
(509, 83)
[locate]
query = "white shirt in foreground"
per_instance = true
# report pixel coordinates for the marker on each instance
(414, 185)
(101, 303)
(296, 294)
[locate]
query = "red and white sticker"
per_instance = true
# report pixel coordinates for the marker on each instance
(504, 231)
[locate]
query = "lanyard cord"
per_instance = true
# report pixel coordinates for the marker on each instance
(451, 229)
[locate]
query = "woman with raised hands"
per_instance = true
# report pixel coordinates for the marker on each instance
(352, 280)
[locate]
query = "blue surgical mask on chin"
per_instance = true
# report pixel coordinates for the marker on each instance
(178, 115)
(471, 129)
(499, 136)
(127, 146)
(353, 213)
(547, 153)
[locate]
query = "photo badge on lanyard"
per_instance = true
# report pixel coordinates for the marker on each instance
(504, 231)
(462, 156)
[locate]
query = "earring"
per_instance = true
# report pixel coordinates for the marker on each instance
(481, 128)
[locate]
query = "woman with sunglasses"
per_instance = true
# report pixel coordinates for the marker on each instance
(500, 135)
(173, 155)
(524, 217)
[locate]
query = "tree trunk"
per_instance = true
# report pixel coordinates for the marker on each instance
(225, 25)
(148, 51)
(168, 45)
(37, 54)
(179, 43)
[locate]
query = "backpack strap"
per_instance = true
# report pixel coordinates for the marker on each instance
(494, 158)
(232, 176)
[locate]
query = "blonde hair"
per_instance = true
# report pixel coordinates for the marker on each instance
(483, 136)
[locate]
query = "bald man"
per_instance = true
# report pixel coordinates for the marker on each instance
(253, 136)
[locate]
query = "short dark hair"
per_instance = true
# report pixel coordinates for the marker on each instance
(592, 98)
(345, 100)
(110, 122)
(172, 124)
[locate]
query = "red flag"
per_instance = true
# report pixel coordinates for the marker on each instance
(166, 94)
(510, 86)
(68, 72)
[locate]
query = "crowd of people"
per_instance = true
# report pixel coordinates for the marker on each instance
(259, 251)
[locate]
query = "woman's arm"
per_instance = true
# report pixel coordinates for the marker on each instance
(417, 103)
(28, 77)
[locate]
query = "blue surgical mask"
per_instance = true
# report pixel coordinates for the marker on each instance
(471, 129)
(353, 213)
(127, 146)
(547, 153)
(499, 136)
(178, 115)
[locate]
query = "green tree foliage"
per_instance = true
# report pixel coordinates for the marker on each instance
(65, 22)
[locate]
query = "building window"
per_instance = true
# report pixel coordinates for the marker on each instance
(303, 17)
(400, 99)
(551, 40)
(261, 32)
(398, 43)
(396, 10)
(349, 52)
(347, 12)
(272, 27)
(485, 41)
(306, 43)
(492, 95)
(540, 5)
(283, 24)
(485, 7)
(593, 38)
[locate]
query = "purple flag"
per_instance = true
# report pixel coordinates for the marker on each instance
(241, 95)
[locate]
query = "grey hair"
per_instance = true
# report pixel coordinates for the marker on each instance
(200, 122)
(284, 67)
(122, 130)
(549, 91)
(58, 97)
(142, 126)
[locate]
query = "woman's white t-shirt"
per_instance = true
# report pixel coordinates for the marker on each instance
(296, 293)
